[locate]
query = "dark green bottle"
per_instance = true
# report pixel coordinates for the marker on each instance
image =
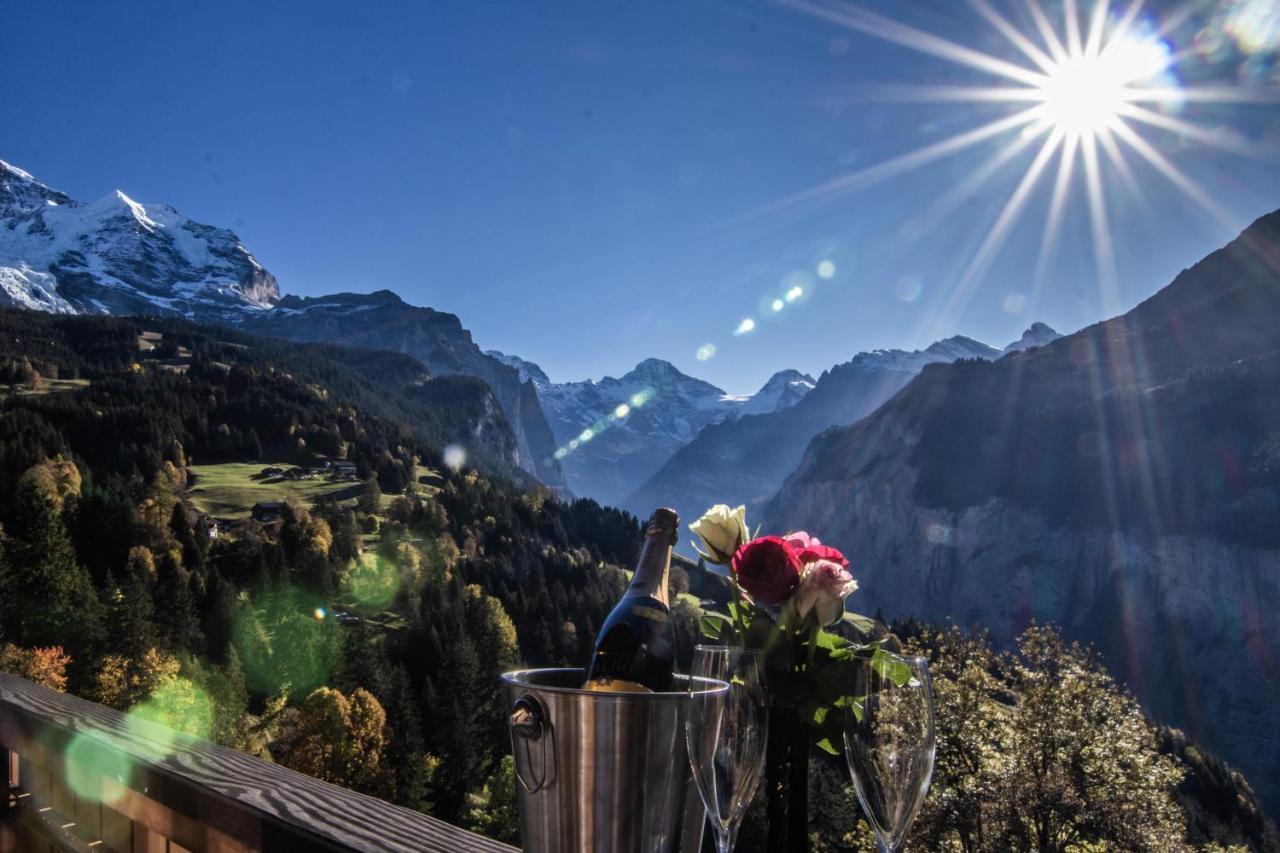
(636, 647)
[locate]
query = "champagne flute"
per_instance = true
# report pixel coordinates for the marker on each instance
(726, 730)
(889, 744)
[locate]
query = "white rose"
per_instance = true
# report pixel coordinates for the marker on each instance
(823, 587)
(723, 531)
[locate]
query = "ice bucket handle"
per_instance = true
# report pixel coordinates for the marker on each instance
(528, 722)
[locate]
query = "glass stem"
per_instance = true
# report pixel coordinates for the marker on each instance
(725, 840)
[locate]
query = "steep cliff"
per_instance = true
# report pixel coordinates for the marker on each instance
(1123, 482)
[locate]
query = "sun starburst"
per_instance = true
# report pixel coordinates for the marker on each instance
(1081, 89)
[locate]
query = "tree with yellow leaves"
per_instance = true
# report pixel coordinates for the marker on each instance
(341, 739)
(46, 666)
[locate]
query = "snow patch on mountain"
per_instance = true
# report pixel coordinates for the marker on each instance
(118, 255)
(782, 391)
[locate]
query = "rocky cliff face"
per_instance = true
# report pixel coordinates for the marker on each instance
(382, 320)
(118, 256)
(746, 459)
(1123, 482)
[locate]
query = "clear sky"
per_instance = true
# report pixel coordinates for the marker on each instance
(588, 184)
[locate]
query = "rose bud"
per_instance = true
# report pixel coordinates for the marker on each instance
(723, 531)
(823, 588)
(768, 569)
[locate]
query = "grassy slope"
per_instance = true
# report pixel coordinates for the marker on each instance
(228, 488)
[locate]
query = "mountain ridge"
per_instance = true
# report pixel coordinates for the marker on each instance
(746, 459)
(118, 256)
(1123, 482)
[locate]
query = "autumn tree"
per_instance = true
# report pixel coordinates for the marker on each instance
(45, 666)
(341, 739)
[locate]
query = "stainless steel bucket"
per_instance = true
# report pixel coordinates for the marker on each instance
(602, 772)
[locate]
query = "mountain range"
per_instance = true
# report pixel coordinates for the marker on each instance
(746, 459)
(615, 432)
(611, 439)
(1123, 482)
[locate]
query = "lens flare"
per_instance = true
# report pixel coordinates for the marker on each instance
(778, 305)
(746, 326)
(826, 269)
(622, 410)
(97, 768)
(372, 581)
(455, 456)
(795, 293)
(1080, 87)
(706, 352)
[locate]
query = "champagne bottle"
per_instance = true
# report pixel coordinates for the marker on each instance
(635, 649)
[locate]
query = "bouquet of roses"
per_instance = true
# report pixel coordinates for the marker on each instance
(788, 600)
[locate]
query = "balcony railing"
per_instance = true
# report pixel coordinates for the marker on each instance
(83, 777)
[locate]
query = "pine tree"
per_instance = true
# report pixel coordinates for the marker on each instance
(46, 597)
(176, 607)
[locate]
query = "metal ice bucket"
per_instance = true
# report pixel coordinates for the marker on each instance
(602, 772)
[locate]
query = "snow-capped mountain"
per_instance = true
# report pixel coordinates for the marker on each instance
(746, 459)
(118, 256)
(783, 390)
(616, 432)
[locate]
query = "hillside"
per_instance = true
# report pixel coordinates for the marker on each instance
(397, 584)
(384, 321)
(1121, 482)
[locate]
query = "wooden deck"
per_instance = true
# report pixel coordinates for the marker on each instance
(196, 797)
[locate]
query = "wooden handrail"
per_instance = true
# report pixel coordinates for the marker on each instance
(197, 796)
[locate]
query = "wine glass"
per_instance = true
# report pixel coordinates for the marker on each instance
(726, 730)
(889, 744)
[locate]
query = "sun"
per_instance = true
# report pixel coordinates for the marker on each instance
(1081, 94)
(1086, 92)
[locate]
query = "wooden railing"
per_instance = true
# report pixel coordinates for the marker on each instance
(83, 777)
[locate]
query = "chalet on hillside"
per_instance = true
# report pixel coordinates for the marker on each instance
(266, 512)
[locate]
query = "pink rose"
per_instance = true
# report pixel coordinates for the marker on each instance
(824, 585)
(809, 548)
(767, 568)
(799, 540)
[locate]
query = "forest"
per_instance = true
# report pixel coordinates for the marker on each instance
(358, 636)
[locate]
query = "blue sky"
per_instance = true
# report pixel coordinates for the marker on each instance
(582, 181)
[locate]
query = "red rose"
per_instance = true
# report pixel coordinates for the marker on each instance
(768, 569)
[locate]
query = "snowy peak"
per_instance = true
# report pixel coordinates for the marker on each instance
(120, 256)
(529, 372)
(782, 391)
(21, 193)
(1037, 335)
(960, 346)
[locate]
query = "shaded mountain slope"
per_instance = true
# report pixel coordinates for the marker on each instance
(1123, 481)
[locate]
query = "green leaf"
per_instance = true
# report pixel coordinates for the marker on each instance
(713, 625)
(864, 625)
(890, 667)
(826, 746)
